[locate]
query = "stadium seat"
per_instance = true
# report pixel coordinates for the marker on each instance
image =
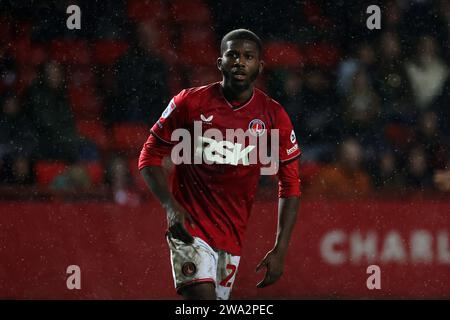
(191, 13)
(47, 170)
(81, 76)
(26, 75)
(94, 131)
(308, 171)
(96, 172)
(129, 137)
(27, 53)
(148, 10)
(399, 134)
(70, 51)
(84, 102)
(283, 54)
(198, 47)
(201, 76)
(106, 52)
(314, 16)
(322, 55)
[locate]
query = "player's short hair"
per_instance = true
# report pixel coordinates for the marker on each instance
(241, 34)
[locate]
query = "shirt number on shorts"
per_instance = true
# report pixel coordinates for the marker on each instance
(224, 282)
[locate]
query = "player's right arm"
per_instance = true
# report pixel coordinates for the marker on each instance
(158, 146)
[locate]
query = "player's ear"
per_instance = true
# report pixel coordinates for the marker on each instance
(219, 63)
(261, 66)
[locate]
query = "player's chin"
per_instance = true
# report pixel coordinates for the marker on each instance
(241, 84)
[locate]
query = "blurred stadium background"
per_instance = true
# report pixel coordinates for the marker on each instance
(370, 109)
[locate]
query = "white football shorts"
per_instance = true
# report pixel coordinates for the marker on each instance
(198, 262)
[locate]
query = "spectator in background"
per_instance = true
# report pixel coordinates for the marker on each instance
(74, 178)
(442, 180)
(427, 73)
(286, 87)
(440, 106)
(361, 108)
(320, 122)
(120, 180)
(435, 143)
(17, 142)
(52, 117)
(364, 60)
(418, 171)
(8, 71)
(391, 81)
(386, 173)
(141, 80)
(346, 177)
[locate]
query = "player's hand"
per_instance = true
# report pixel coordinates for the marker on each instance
(176, 216)
(274, 264)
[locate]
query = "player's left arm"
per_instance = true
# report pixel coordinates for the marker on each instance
(288, 194)
(288, 206)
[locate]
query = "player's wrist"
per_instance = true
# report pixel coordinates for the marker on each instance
(280, 249)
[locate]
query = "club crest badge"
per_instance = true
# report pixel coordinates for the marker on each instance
(257, 127)
(188, 269)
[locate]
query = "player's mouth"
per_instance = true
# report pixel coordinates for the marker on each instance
(239, 75)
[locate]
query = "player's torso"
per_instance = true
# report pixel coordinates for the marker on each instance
(225, 135)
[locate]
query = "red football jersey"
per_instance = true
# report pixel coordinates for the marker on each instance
(219, 195)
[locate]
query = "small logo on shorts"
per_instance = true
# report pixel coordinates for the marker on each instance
(188, 269)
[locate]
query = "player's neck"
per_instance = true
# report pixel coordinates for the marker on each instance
(236, 97)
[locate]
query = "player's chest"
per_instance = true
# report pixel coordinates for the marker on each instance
(224, 118)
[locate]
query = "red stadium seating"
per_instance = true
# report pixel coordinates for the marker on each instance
(94, 131)
(108, 51)
(314, 16)
(148, 10)
(308, 170)
(198, 47)
(70, 51)
(95, 171)
(84, 102)
(27, 53)
(283, 54)
(47, 170)
(27, 74)
(398, 134)
(81, 76)
(322, 55)
(190, 13)
(204, 75)
(129, 137)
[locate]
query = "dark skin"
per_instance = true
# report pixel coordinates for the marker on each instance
(240, 65)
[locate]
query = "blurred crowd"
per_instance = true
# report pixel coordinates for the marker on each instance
(370, 107)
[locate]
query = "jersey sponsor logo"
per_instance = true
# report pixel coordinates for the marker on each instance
(293, 138)
(257, 127)
(223, 152)
(189, 269)
(232, 147)
(292, 150)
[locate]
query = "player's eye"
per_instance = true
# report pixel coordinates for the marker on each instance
(249, 57)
